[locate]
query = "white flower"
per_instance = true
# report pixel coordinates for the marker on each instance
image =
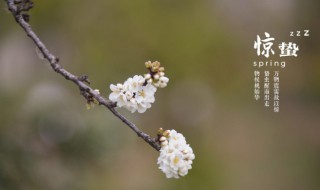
(144, 97)
(134, 94)
(161, 81)
(176, 156)
(118, 95)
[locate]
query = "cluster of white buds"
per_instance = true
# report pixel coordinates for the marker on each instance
(176, 156)
(156, 74)
(137, 93)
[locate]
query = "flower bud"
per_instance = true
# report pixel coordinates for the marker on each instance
(162, 85)
(147, 76)
(166, 133)
(161, 69)
(148, 64)
(164, 143)
(97, 91)
(163, 139)
(156, 76)
(164, 79)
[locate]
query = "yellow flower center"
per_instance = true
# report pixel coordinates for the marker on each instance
(176, 160)
(142, 94)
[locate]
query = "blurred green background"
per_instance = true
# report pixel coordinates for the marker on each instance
(49, 140)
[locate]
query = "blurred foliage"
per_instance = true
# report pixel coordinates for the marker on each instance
(48, 140)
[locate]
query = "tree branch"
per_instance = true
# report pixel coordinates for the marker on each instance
(14, 7)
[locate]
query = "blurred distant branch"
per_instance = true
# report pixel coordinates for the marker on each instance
(19, 10)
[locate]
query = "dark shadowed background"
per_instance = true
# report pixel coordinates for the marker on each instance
(49, 140)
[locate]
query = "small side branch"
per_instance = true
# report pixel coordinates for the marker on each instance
(14, 7)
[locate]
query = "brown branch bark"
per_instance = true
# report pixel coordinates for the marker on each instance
(86, 90)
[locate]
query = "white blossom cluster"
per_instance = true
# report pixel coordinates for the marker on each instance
(133, 95)
(137, 93)
(176, 155)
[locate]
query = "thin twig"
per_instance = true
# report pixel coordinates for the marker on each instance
(86, 91)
